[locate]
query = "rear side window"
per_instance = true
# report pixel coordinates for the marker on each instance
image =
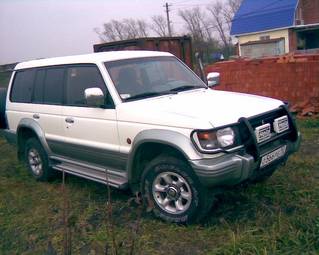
(23, 86)
(80, 78)
(53, 86)
(38, 91)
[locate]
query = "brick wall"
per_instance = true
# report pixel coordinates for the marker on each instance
(292, 78)
(292, 40)
(310, 11)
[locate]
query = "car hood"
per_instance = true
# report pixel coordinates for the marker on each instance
(203, 108)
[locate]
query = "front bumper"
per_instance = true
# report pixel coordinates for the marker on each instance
(232, 169)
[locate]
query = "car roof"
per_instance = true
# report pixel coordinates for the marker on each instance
(93, 58)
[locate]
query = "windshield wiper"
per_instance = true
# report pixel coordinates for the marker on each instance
(155, 94)
(148, 94)
(186, 87)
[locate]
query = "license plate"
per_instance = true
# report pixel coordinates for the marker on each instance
(263, 133)
(281, 124)
(272, 156)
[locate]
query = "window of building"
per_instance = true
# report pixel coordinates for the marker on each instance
(259, 49)
(264, 37)
(308, 39)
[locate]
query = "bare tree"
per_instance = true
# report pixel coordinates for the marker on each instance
(131, 28)
(142, 28)
(108, 33)
(201, 24)
(198, 25)
(209, 27)
(222, 16)
(195, 26)
(219, 23)
(159, 25)
(112, 31)
(97, 30)
(135, 28)
(121, 30)
(230, 10)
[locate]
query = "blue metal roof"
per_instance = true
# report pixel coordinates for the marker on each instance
(261, 15)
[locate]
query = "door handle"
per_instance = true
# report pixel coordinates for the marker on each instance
(36, 116)
(69, 120)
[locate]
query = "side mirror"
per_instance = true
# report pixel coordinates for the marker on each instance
(94, 97)
(213, 79)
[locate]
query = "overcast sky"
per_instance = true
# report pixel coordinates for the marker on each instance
(32, 29)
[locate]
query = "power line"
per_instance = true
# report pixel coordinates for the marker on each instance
(188, 6)
(182, 2)
(191, 2)
(257, 10)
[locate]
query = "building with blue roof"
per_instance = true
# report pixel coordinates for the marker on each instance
(275, 27)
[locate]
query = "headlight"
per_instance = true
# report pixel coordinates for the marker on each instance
(213, 140)
(225, 137)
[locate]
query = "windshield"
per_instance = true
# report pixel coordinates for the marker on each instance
(148, 77)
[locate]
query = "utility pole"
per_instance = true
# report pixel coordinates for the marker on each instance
(168, 21)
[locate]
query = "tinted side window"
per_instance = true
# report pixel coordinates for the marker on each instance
(38, 87)
(80, 78)
(23, 86)
(53, 86)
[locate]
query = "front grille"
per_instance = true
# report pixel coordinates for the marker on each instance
(267, 118)
(247, 131)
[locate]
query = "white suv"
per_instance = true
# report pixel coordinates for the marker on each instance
(143, 120)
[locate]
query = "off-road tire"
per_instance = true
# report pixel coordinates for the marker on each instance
(33, 147)
(201, 200)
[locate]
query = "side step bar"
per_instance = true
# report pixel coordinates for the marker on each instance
(117, 179)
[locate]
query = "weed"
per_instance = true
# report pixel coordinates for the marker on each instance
(279, 216)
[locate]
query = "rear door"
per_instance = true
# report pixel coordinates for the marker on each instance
(37, 94)
(47, 100)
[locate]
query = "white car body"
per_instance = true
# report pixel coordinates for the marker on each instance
(91, 141)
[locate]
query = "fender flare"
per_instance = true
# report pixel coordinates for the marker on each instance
(174, 139)
(35, 127)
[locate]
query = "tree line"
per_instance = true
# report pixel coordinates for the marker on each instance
(209, 27)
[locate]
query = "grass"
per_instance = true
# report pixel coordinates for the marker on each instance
(280, 216)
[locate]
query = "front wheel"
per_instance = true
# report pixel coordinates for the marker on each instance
(174, 191)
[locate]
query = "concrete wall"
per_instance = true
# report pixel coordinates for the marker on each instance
(289, 78)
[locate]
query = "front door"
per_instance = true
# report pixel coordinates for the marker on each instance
(91, 133)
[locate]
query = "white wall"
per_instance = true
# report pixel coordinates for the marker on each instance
(272, 34)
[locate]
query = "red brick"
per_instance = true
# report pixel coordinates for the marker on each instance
(295, 81)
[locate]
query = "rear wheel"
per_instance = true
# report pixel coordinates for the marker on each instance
(37, 160)
(174, 191)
